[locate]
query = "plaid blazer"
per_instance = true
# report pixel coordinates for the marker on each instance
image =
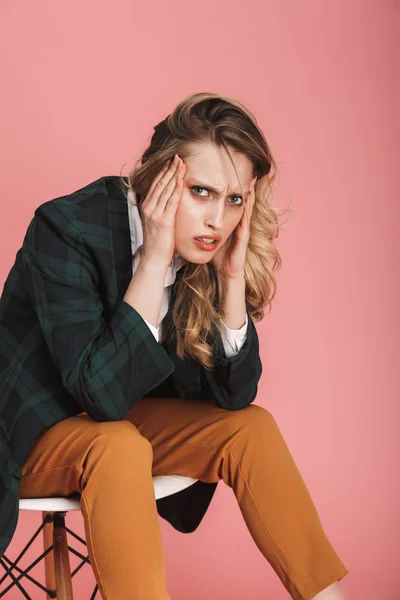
(70, 343)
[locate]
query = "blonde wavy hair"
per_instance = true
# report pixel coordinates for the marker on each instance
(196, 314)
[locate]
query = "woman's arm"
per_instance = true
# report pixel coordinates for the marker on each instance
(106, 365)
(233, 383)
(146, 289)
(232, 301)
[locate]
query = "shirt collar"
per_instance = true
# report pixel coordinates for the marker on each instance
(136, 229)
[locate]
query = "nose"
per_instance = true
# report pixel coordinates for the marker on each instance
(215, 216)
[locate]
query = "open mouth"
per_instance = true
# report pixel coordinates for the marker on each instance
(205, 245)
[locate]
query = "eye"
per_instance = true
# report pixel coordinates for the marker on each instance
(198, 187)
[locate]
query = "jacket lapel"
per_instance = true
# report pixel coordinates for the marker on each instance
(120, 234)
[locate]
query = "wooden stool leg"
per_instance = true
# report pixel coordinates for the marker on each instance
(61, 559)
(49, 569)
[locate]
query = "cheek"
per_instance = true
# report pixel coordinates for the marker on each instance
(187, 214)
(183, 219)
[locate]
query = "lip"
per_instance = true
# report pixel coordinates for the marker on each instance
(204, 245)
(210, 237)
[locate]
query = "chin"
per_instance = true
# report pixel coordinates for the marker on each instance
(197, 257)
(198, 260)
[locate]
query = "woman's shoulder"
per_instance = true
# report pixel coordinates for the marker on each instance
(85, 202)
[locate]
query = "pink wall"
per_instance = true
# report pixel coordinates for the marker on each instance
(83, 85)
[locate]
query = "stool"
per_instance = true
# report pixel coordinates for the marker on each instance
(56, 554)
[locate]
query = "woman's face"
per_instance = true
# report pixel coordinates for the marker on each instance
(202, 211)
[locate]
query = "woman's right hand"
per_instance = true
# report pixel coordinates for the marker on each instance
(158, 213)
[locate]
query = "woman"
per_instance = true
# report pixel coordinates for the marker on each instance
(128, 350)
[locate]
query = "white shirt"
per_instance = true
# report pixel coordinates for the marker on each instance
(233, 339)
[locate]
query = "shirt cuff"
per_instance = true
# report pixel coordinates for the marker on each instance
(154, 330)
(233, 339)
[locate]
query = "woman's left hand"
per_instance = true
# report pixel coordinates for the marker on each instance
(230, 258)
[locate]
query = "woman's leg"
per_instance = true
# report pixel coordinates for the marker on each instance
(109, 464)
(246, 449)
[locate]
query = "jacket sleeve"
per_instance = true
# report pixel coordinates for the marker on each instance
(233, 383)
(107, 365)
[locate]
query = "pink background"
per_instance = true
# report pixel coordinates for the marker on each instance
(84, 83)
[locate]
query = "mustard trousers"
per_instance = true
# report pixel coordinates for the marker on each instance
(111, 465)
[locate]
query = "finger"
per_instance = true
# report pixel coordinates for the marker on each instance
(163, 182)
(252, 195)
(167, 194)
(167, 177)
(172, 204)
(172, 192)
(251, 201)
(248, 201)
(247, 211)
(160, 174)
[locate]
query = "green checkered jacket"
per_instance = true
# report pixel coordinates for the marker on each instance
(70, 343)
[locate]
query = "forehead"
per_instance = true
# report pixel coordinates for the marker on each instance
(211, 164)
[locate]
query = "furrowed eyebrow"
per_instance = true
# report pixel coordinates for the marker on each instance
(211, 189)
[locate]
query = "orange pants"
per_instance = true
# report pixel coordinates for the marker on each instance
(111, 465)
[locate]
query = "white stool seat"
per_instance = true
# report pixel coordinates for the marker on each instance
(164, 485)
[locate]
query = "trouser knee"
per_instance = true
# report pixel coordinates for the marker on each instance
(251, 425)
(117, 446)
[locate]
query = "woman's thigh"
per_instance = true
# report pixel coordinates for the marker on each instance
(188, 436)
(185, 436)
(55, 464)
